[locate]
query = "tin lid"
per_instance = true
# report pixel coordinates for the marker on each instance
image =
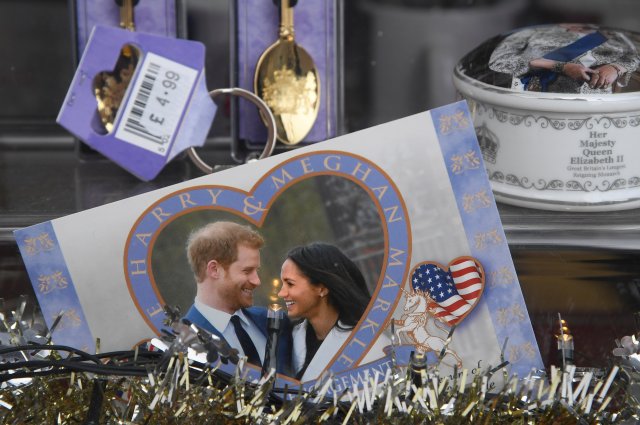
(558, 58)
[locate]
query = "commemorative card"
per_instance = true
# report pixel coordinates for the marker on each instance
(408, 202)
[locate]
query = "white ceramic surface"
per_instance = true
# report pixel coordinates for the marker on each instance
(556, 151)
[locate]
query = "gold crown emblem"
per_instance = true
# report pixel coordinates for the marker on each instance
(287, 94)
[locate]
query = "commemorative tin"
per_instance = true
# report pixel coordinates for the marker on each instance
(557, 113)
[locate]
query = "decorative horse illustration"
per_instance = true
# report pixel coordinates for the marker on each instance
(415, 323)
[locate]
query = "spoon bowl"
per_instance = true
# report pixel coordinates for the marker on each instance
(287, 80)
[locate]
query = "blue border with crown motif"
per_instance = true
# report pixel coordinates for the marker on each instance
(485, 236)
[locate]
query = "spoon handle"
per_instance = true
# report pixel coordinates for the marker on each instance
(126, 15)
(286, 21)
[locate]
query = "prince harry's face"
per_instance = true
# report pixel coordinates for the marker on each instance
(238, 281)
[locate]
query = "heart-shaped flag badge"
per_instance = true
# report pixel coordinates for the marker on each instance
(452, 292)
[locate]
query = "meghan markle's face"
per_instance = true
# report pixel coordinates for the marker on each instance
(303, 299)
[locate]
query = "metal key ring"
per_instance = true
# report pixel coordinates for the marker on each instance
(266, 114)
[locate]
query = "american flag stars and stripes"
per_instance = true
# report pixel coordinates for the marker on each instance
(453, 293)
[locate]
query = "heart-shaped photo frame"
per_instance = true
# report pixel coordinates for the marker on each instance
(298, 189)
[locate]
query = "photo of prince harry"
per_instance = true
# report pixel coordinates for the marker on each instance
(225, 259)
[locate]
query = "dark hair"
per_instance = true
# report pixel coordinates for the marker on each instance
(326, 264)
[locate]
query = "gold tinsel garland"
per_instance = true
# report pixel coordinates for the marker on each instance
(60, 385)
(70, 399)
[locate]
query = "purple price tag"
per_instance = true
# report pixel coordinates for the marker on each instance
(165, 107)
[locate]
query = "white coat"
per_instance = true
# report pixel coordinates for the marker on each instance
(329, 347)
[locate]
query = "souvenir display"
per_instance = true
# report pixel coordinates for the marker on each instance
(139, 99)
(298, 76)
(557, 111)
(358, 278)
(287, 80)
(426, 239)
(163, 19)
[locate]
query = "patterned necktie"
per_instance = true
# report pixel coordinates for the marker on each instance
(246, 343)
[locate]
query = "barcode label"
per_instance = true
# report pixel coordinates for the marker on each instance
(157, 102)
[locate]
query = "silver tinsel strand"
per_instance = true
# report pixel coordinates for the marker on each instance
(44, 383)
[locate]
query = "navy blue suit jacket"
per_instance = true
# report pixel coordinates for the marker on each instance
(258, 315)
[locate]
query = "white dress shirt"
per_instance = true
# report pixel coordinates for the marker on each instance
(222, 322)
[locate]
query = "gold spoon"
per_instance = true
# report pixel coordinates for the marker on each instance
(110, 87)
(287, 80)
